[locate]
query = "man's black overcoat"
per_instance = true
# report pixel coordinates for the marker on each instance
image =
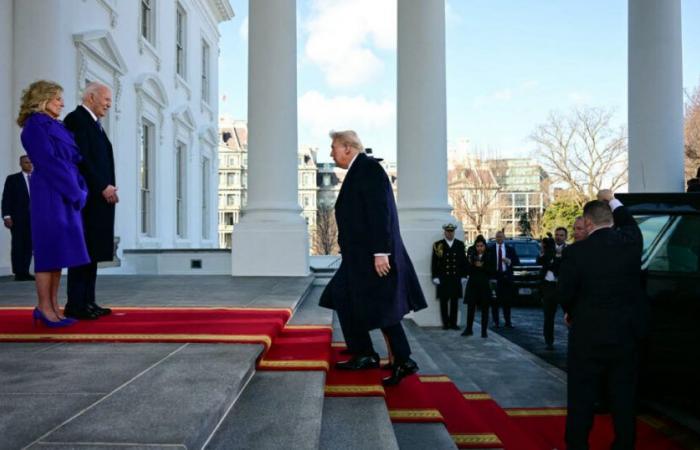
(97, 167)
(368, 224)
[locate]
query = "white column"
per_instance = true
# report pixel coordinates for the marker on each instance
(271, 238)
(655, 83)
(8, 162)
(422, 138)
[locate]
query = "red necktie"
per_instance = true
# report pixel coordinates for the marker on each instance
(500, 258)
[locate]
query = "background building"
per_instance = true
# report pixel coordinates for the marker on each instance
(160, 59)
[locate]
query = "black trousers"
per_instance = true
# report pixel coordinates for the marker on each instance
(478, 295)
(81, 285)
(504, 298)
(549, 307)
(449, 315)
(21, 252)
(585, 373)
(396, 338)
(347, 329)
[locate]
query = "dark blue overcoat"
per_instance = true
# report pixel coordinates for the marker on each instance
(58, 193)
(368, 224)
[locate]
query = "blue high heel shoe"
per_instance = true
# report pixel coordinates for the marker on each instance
(37, 315)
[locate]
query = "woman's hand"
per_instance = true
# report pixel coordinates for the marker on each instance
(381, 265)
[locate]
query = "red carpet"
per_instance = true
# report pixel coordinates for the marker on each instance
(412, 401)
(548, 424)
(232, 325)
(351, 383)
(299, 347)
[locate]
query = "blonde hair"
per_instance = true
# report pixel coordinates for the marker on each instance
(349, 138)
(35, 97)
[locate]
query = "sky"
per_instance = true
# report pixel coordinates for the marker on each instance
(509, 64)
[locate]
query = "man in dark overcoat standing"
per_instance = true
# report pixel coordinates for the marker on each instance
(15, 216)
(600, 289)
(376, 284)
(97, 167)
(448, 266)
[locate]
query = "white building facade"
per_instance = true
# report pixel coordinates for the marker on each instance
(159, 57)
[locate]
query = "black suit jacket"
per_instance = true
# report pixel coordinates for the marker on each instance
(449, 264)
(15, 200)
(97, 167)
(492, 262)
(599, 286)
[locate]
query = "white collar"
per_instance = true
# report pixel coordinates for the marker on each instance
(94, 117)
(353, 160)
(449, 242)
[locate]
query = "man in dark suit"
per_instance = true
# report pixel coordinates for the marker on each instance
(449, 267)
(551, 262)
(502, 259)
(97, 167)
(15, 216)
(600, 289)
(376, 284)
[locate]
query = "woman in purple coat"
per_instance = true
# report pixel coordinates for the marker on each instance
(57, 192)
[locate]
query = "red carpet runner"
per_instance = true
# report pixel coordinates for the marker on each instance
(232, 325)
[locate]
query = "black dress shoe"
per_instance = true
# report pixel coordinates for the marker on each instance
(454, 327)
(80, 313)
(467, 333)
(445, 327)
(100, 311)
(496, 325)
(359, 363)
(509, 325)
(484, 335)
(24, 277)
(549, 347)
(400, 372)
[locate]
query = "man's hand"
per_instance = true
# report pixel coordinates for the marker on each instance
(567, 320)
(110, 194)
(436, 281)
(8, 222)
(506, 260)
(605, 195)
(381, 265)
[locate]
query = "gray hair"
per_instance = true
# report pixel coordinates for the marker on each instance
(349, 138)
(93, 88)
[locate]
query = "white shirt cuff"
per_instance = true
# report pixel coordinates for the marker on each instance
(614, 204)
(6, 217)
(382, 254)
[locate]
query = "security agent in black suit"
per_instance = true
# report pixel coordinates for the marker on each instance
(502, 258)
(599, 288)
(97, 167)
(448, 267)
(550, 260)
(15, 216)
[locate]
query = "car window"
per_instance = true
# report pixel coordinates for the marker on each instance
(527, 250)
(680, 252)
(651, 227)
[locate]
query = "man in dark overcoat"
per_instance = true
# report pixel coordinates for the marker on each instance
(600, 289)
(551, 263)
(97, 167)
(376, 284)
(501, 260)
(448, 267)
(15, 216)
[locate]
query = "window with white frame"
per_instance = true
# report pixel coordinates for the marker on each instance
(146, 177)
(148, 21)
(180, 189)
(181, 41)
(205, 71)
(205, 197)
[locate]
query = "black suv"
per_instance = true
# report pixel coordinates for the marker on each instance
(526, 275)
(670, 225)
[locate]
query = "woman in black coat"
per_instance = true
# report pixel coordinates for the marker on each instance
(478, 290)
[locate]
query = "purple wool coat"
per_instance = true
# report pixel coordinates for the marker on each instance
(58, 193)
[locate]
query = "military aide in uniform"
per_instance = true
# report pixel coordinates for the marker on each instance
(448, 268)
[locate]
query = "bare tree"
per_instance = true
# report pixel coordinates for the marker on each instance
(325, 240)
(474, 193)
(692, 134)
(583, 151)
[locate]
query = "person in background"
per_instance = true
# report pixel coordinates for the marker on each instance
(501, 262)
(550, 260)
(448, 267)
(58, 195)
(478, 291)
(580, 232)
(15, 216)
